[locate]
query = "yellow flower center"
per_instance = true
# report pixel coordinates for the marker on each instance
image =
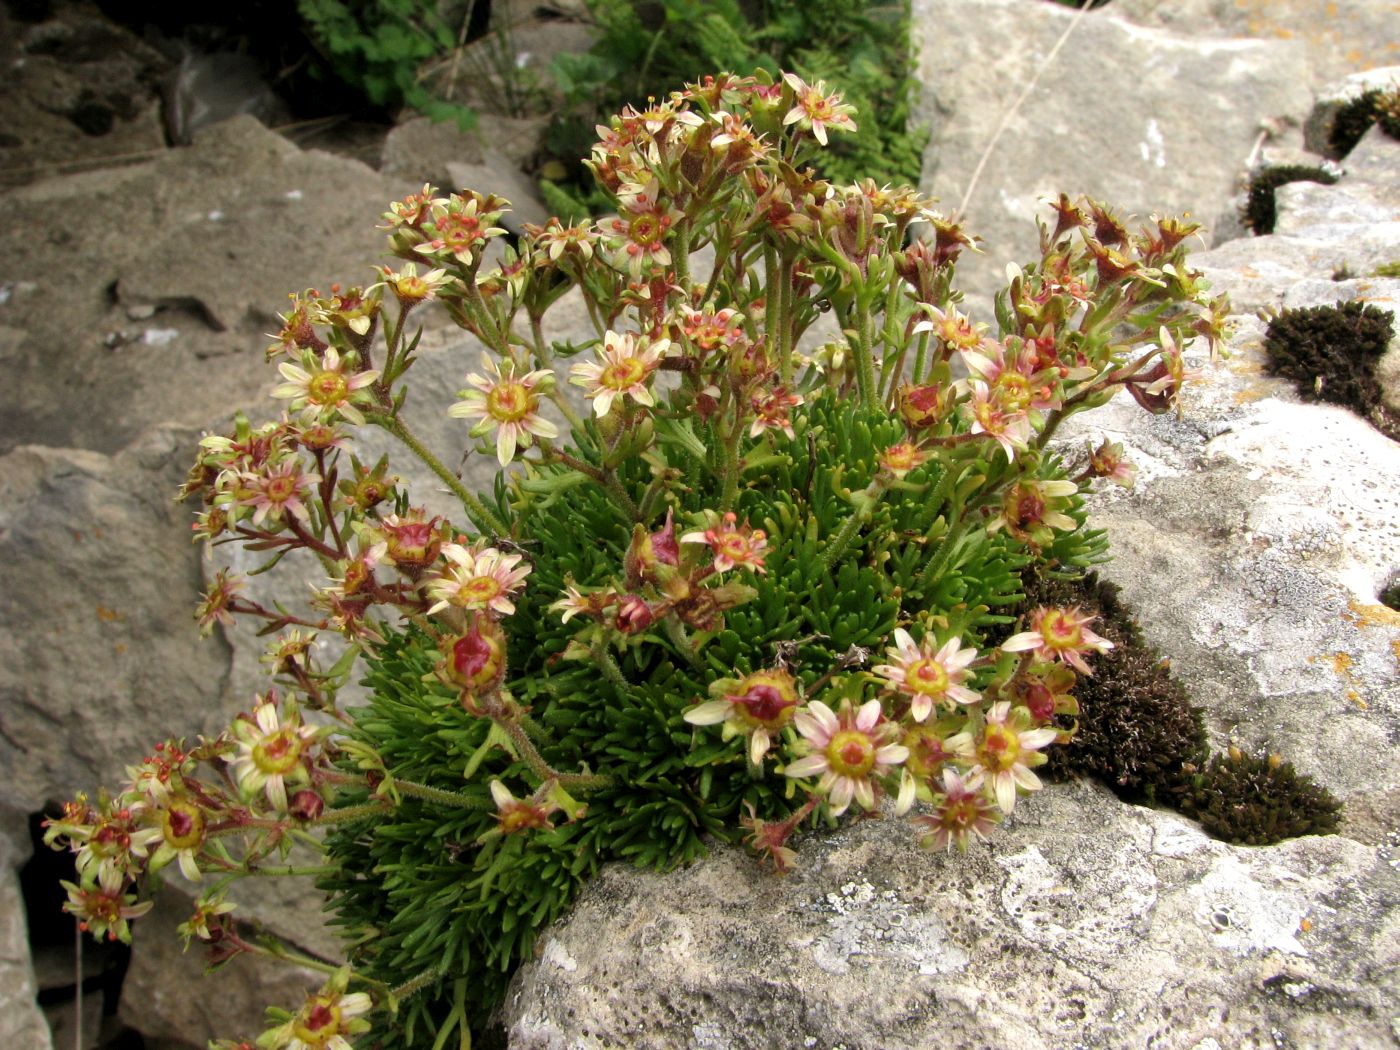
(278, 752)
(318, 1021)
(927, 677)
(327, 388)
(509, 402)
(1014, 391)
(479, 590)
(851, 753)
(620, 375)
(279, 489)
(646, 231)
(1060, 631)
(1000, 749)
(183, 827)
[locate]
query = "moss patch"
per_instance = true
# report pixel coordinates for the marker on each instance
(1141, 734)
(1355, 118)
(1261, 210)
(1330, 353)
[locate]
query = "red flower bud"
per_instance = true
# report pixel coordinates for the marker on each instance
(476, 659)
(634, 615)
(306, 805)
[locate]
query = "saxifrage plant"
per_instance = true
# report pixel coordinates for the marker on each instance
(747, 588)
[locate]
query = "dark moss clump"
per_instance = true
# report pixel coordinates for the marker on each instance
(1355, 118)
(1330, 353)
(1257, 801)
(1138, 730)
(1261, 210)
(1140, 734)
(1390, 593)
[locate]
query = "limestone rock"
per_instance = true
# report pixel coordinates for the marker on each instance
(157, 313)
(1088, 923)
(79, 92)
(99, 654)
(22, 1026)
(1106, 119)
(1339, 35)
(421, 150)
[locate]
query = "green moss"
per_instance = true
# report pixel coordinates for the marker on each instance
(1257, 801)
(1355, 118)
(1260, 210)
(1331, 352)
(1390, 269)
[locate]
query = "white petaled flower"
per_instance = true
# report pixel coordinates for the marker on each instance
(628, 363)
(1004, 750)
(324, 1021)
(507, 403)
(928, 676)
(847, 750)
(477, 578)
(330, 388)
(270, 753)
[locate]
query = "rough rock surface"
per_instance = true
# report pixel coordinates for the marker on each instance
(1339, 36)
(99, 654)
(1109, 117)
(22, 1026)
(106, 328)
(1253, 548)
(1087, 924)
(162, 1004)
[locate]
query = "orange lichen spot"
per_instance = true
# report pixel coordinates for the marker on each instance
(1341, 663)
(1250, 393)
(107, 615)
(1372, 615)
(1395, 649)
(1355, 698)
(1354, 55)
(119, 648)
(1304, 925)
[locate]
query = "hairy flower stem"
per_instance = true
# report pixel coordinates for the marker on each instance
(441, 797)
(478, 510)
(858, 517)
(784, 317)
(322, 869)
(675, 630)
(865, 355)
(275, 950)
(414, 984)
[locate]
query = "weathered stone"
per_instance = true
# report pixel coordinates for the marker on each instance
(79, 92)
(1106, 119)
(421, 150)
(214, 236)
(495, 174)
(1088, 923)
(98, 652)
(22, 1026)
(1339, 36)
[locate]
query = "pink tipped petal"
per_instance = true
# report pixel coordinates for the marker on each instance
(841, 794)
(868, 715)
(1020, 642)
(806, 767)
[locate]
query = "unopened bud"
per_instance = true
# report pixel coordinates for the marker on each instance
(306, 805)
(634, 615)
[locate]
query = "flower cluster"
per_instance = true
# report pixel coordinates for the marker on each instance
(657, 626)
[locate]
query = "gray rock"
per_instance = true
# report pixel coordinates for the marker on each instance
(1339, 35)
(1107, 117)
(214, 236)
(99, 654)
(22, 1026)
(421, 150)
(1089, 924)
